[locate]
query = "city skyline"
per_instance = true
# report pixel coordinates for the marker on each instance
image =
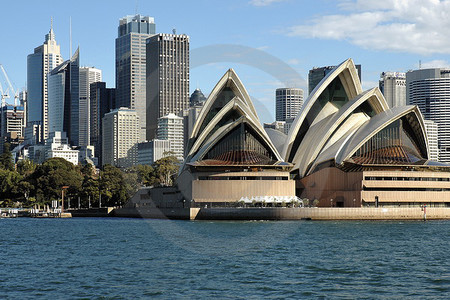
(381, 37)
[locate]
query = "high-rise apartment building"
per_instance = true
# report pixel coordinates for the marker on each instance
(88, 75)
(393, 87)
(170, 128)
(102, 101)
(131, 64)
(317, 74)
(167, 78)
(429, 89)
(120, 138)
(288, 103)
(431, 128)
(44, 59)
(64, 99)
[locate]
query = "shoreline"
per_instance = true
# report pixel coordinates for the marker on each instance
(266, 213)
(278, 213)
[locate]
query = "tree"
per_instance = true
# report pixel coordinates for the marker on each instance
(49, 178)
(166, 169)
(9, 186)
(112, 186)
(6, 159)
(25, 167)
(146, 175)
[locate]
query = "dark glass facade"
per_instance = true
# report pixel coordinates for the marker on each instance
(34, 87)
(103, 100)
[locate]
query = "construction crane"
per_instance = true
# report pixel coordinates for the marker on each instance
(3, 95)
(10, 89)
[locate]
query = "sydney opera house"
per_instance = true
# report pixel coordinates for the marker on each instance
(346, 148)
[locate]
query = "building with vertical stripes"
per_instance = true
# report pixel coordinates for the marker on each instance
(429, 89)
(167, 78)
(288, 103)
(131, 64)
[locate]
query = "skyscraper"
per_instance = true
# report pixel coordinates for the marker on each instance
(317, 74)
(131, 64)
(429, 89)
(12, 129)
(44, 59)
(288, 103)
(167, 78)
(88, 75)
(102, 101)
(64, 98)
(120, 138)
(393, 87)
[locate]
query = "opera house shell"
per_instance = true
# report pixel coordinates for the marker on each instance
(345, 148)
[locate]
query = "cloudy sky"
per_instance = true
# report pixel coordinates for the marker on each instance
(270, 43)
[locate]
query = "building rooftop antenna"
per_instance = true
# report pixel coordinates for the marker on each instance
(70, 36)
(420, 64)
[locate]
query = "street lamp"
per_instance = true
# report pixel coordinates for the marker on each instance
(331, 201)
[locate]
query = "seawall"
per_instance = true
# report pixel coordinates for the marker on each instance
(278, 213)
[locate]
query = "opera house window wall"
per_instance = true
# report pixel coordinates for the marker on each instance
(345, 148)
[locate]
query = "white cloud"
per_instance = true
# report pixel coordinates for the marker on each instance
(263, 2)
(435, 64)
(413, 26)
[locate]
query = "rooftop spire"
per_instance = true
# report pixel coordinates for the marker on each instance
(51, 35)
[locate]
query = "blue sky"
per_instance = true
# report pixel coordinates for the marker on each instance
(388, 35)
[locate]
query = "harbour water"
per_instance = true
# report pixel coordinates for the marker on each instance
(135, 258)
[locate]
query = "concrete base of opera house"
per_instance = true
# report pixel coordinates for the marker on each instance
(280, 213)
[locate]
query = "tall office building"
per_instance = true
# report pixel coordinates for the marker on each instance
(317, 74)
(170, 128)
(429, 89)
(44, 59)
(288, 103)
(120, 138)
(88, 75)
(167, 78)
(431, 128)
(393, 87)
(131, 64)
(12, 125)
(64, 98)
(102, 101)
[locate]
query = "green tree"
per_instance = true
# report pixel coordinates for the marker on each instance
(9, 187)
(25, 167)
(146, 175)
(166, 169)
(49, 178)
(6, 159)
(112, 186)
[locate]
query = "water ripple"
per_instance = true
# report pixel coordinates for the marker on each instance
(128, 258)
